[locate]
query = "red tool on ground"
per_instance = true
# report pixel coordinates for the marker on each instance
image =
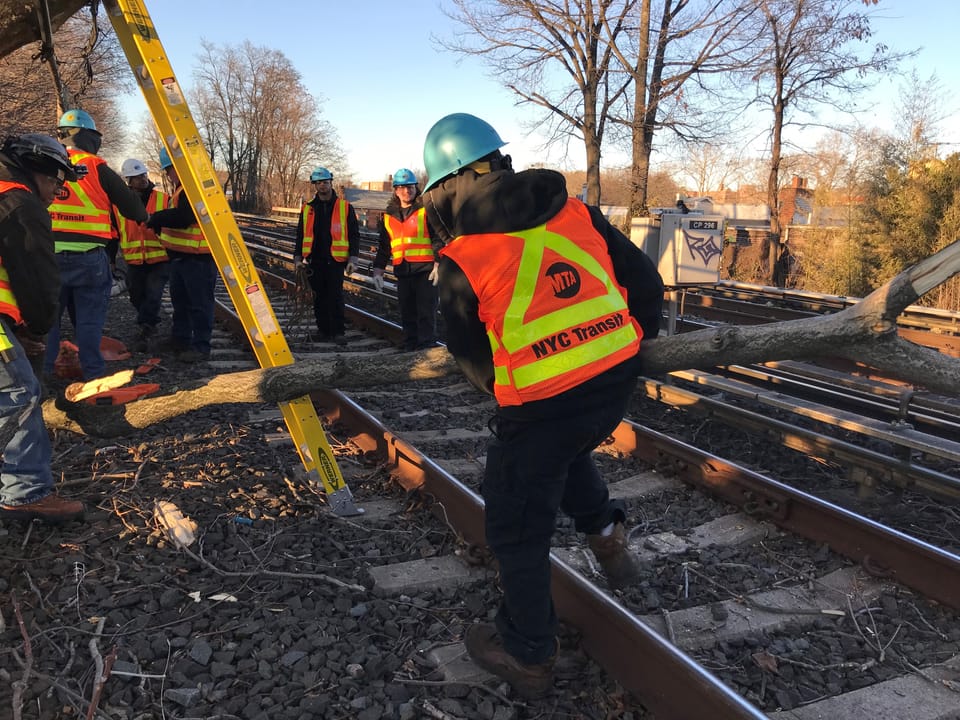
(147, 366)
(67, 364)
(121, 395)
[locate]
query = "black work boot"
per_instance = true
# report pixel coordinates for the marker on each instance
(142, 343)
(620, 565)
(486, 649)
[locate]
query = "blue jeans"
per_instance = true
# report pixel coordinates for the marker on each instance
(26, 475)
(85, 282)
(193, 280)
(146, 283)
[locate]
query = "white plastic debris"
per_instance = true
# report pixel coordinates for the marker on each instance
(181, 530)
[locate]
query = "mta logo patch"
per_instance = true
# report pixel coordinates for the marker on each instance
(565, 280)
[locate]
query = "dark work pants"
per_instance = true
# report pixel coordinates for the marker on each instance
(535, 468)
(326, 281)
(193, 282)
(146, 282)
(418, 309)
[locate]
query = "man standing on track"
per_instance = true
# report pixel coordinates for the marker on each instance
(33, 168)
(193, 271)
(328, 242)
(545, 304)
(82, 230)
(148, 267)
(406, 241)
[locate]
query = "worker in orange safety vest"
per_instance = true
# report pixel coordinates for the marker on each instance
(33, 168)
(545, 305)
(148, 266)
(81, 216)
(328, 244)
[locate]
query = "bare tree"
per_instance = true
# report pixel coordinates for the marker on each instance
(146, 148)
(554, 55)
(260, 123)
(707, 166)
(91, 68)
(814, 52)
(920, 110)
(675, 47)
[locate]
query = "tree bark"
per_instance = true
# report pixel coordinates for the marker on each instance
(865, 332)
(20, 26)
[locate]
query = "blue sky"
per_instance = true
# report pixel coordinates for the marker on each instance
(384, 83)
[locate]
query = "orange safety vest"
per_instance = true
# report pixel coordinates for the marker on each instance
(186, 240)
(339, 243)
(82, 206)
(554, 313)
(409, 239)
(8, 302)
(138, 243)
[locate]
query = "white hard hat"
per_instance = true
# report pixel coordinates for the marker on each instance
(132, 168)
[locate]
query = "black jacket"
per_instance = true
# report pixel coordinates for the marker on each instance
(322, 212)
(26, 248)
(384, 251)
(502, 202)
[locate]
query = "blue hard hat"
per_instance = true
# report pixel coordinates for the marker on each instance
(320, 173)
(454, 142)
(404, 177)
(165, 160)
(77, 119)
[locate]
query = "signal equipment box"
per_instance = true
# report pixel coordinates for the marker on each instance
(686, 246)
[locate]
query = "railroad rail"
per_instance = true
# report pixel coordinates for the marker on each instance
(881, 431)
(615, 629)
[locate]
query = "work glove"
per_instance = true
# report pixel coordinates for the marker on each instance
(353, 264)
(378, 279)
(435, 274)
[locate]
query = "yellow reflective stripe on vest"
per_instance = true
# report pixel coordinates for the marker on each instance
(83, 215)
(138, 243)
(339, 243)
(412, 248)
(594, 321)
(8, 301)
(186, 240)
(306, 222)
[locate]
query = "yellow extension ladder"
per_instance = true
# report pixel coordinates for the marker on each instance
(168, 106)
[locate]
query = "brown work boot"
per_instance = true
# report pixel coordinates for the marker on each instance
(620, 565)
(486, 649)
(51, 509)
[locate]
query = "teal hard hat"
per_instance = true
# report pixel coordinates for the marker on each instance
(404, 177)
(165, 160)
(77, 119)
(454, 142)
(320, 173)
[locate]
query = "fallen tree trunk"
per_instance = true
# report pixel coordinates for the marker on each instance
(865, 332)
